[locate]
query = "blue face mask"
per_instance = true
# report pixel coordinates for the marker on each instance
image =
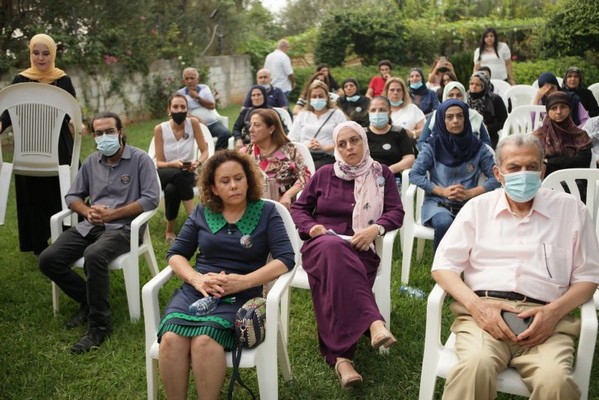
(378, 120)
(522, 186)
(353, 98)
(108, 145)
(318, 104)
(396, 103)
(416, 86)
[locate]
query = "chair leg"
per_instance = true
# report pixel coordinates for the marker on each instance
(131, 275)
(406, 257)
(420, 248)
(5, 175)
(285, 309)
(283, 355)
(268, 378)
(152, 377)
(55, 304)
(150, 258)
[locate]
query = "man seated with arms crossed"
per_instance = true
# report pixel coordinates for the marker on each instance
(113, 186)
(201, 104)
(274, 96)
(523, 250)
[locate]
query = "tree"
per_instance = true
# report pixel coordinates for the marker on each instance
(572, 28)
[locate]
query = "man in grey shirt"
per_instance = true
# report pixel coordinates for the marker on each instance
(113, 186)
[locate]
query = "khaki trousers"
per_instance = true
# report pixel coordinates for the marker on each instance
(545, 369)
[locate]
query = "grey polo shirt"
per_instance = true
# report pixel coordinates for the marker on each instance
(133, 178)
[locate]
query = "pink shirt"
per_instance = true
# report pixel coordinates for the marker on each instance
(539, 255)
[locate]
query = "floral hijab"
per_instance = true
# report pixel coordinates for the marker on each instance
(34, 73)
(369, 183)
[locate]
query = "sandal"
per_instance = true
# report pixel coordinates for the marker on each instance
(382, 338)
(348, 380)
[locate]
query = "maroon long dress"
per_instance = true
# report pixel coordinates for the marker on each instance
(340, 277)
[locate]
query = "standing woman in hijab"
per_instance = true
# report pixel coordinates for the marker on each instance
(357, 197)
(572, 84)
(422, 96)
(34, 210)
(449, 166)
(352, 103)
(482, 99)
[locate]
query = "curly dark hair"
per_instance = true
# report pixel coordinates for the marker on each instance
(206, 180)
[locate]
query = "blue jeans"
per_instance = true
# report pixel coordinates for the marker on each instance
(222, 134)
(99, 247)
(440, 222)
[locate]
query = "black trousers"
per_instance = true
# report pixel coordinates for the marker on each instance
(178, 186)
(98, 248)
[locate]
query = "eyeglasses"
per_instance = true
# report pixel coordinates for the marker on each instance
(110, 131)
(354, 140)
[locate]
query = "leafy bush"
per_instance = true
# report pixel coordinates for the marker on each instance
(527, 72)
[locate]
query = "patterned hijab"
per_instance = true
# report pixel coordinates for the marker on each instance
(450, 149)
(369, 183)
(35, 74)
(561, 138)
(482, 101)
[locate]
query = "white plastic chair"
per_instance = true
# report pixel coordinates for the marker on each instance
(37, 112)
(305, 152)
(520, 95)
(556, 181)
(412, 200)
(439, 359)
(523, 119)
(595, 89)
(381, 287)
(264, 357)
(501, 87)
(285, 117)
(128, 262)
(222, 119)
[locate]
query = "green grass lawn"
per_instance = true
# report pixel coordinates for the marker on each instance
(35, 361)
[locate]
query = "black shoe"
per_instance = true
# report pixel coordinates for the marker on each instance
(78, 319)
(93, 338)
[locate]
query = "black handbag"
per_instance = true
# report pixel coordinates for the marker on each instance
(250, 330)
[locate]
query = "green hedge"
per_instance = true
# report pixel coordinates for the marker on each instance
(527, 72)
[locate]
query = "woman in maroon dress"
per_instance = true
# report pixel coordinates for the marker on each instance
(356, 197)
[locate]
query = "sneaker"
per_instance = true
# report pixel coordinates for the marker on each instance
(78, 319)
(92, 339)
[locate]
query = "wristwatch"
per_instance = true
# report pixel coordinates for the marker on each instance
(381, 229)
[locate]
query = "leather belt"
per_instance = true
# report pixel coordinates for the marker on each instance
(508, 296)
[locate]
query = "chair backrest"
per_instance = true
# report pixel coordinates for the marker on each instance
(285, 117)
(501, 87)
(305, 152)
(209, 140)
(523, 119)
(37, 112)
(566, 178)
(595, 89)
(535, 84)
(520, 95)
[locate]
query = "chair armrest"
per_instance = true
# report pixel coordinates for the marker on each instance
(409, 201)
(136, 225)
(434, 309)
(151, 306)
(56, 222)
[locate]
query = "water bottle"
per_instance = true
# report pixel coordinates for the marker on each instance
(412, 292)
(203, 306)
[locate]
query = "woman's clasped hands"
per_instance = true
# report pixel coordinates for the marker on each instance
(220, 284)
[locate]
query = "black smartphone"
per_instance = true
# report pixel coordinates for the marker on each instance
(186, 164)
(515, 323)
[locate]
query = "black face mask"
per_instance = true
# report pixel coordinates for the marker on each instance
(179, 117)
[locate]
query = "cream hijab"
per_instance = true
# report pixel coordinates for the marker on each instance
(369, 183)
(33, 72)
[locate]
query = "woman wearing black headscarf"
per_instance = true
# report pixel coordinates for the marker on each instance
(352, 103)
(422, 96)
(241, 128)
(572, 83)
(482, 99)
(449, 167)
(548, 84)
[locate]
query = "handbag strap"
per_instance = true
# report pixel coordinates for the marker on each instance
(235, 377)
(324, 123)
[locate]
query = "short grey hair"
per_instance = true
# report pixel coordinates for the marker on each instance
(518, 140)
(282, 44)
(190, 69)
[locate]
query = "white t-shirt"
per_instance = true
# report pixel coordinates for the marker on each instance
(407, 117)
(279, 65)
(496, 64)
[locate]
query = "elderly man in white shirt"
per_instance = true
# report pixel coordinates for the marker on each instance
(522, 250)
